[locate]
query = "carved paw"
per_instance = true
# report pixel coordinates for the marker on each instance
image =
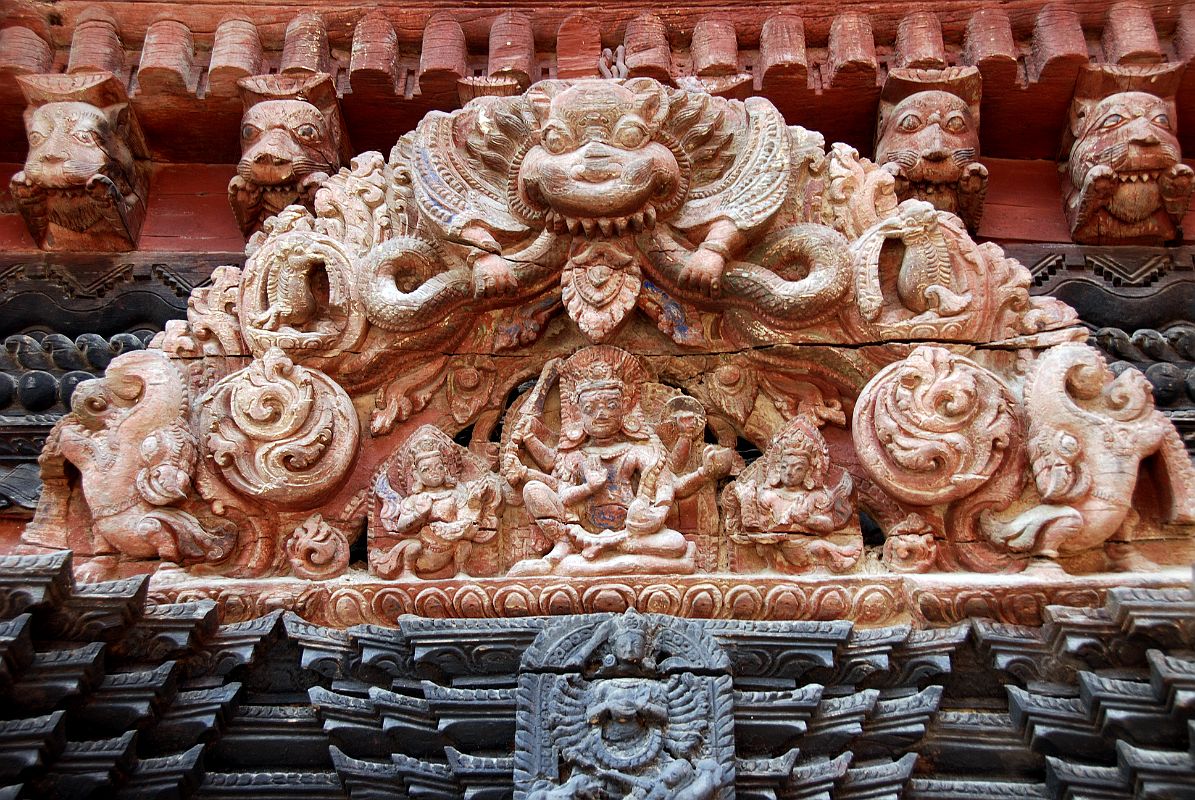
(974, 179)
(22, 188)
(309, 185)
(242, 191)
(493, 277)
(102, 189)
(1177, 183)
(1100, 182)
(703, 272)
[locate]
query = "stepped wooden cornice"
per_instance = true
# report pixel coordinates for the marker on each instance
(822, 64)
(110, 688)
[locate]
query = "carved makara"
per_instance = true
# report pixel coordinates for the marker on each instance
(412, 358)
(1089, 432)
(1123, 177)
(292, 139)
(129, 439)
(928, 135)
(85, 182)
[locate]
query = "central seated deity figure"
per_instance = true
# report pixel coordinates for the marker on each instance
(603, 493)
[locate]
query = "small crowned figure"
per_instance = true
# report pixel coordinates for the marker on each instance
(603, 494)
(446, 503)
(794, 506)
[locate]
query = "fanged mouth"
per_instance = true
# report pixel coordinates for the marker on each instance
(932, 187)
(602, 226)
(1143, 176)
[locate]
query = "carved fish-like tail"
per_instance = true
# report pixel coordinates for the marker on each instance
(181, 538)
(1181, 474)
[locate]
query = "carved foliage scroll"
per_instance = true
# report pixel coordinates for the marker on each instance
(279, 431)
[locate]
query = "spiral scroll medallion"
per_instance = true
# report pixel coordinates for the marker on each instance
(935, 427)
(280, 432)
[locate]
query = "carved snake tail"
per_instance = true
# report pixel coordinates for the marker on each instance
(390, 308)
(757, 287)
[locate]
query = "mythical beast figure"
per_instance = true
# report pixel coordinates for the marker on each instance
(1089, 432)
(292, 139)
(1126, 183)
(86, 177)
(928, 134)
(595, 184)
(128, 437)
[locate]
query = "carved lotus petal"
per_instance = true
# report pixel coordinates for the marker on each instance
(598, 297)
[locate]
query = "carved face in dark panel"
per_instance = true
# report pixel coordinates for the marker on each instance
(284, 140)
(70, 142)
(932, 135)
(596, 156)
(1133, 134)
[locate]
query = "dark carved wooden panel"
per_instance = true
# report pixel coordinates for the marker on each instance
(105, 692)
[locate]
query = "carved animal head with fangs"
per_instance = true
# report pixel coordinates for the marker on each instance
(598, 166)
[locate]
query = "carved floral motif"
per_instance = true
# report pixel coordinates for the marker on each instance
(317, 549)
(280, 432)
(935, 427)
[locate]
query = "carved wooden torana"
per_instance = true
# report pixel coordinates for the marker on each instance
(518, 356)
